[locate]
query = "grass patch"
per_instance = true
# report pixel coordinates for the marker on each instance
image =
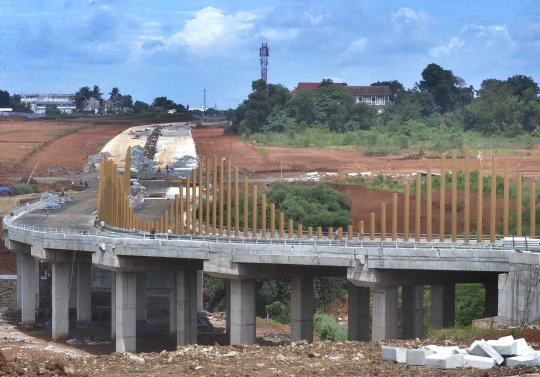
(458, 333)
(67, 131)
(328, 328)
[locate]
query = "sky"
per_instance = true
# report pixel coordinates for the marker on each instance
(179, 48)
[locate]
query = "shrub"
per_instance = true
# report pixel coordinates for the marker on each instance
(23, 189)
(328, 328)
(279, 311)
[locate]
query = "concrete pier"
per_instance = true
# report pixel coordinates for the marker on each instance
(173, 293)
(302, 309)
(84, 291)
(228, 306)
(412, 322)
(443, 306)
(492, 298)
(200, 288)
(385, 313)
(358, 309)
(142, 295)
(19, 280)
(113, 305)
(243, 300)
(126, 308)
(28, 289)
(60, 300)
(186, 283)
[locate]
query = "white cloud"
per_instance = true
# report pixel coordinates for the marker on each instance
(446, 48)
(352, 53)
(212, 32)
(406, 17)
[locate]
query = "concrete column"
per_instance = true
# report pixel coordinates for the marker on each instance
(142, 295)
(243, 301)
(200, 288)
(385, 314)
(73, 283)
(412, 307)
(172, 304)
(126, 308)
(19, 280)
(302, 309)
(60, 301)
(443, 306)
(358, 309)
(37, 265)
(84, 291)
(228, 306)
(28, 289)
(492, 298)
(113, 305)
(186, 328)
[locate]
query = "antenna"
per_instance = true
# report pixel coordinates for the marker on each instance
(263, 53)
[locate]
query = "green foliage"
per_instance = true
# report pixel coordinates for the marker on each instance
(470, 303)
(328, 328)
(214, 293)
(52, 111)
(24, 189)
(279, 311)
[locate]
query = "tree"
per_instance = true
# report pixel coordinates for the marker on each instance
(116, 97)
(81, 96)
(393, 84)
(140, 107)
(127, 101)
(52, 111)
(164, 103)
(441, 84)
(326, 82)
(520, 83)
(4, 98)
(96, 93)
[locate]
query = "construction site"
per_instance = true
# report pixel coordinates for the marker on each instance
(157, 167)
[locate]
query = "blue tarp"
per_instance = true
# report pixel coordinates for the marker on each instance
(4, 189)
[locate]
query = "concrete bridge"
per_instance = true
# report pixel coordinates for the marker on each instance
(376, 264)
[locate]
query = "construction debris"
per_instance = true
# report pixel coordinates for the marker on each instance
(96, 159)
(481, 354)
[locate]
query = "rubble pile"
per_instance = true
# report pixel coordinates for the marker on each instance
(57, 169)
(136, 192)
(481, 354)
(184, 162)
(96, 159)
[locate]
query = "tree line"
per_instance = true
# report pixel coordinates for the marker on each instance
(440, 100)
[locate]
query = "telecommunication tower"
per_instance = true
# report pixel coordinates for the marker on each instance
(263, 52)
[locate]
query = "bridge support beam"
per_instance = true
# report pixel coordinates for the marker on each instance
(358, 309)
(142, 295)
(200, 287)
(186, 282)
(412, 324)
(172, 304)
(443, 305)
(228, 306)
(302, 309)
(243, 300)
(28, 289)
(19, 280)
(113, 305)
(385, 313)
(492, 298)
(126, 311)
(84, 291)
(60, 301)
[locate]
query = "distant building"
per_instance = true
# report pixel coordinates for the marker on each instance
(38, 102)
(372, 95)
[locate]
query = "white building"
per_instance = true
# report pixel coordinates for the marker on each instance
(38, 102)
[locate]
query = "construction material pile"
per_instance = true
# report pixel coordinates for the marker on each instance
(184, 162)
(481, 354)
(96, 159)
(57, 169)
(136, 192)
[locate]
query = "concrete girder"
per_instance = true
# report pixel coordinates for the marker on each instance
(109, 261)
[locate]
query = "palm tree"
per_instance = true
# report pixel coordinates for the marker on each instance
(81, 96)
(115, 97)
(96, 93)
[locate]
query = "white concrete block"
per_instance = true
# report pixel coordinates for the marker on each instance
(505, 348)
(506, 339)
(395, 354)
(471, 361)
(522, 346)
(472, 346)
(449, 350)
(444, 361)
(462, 351)
(527, 360)
(418, 357)
(482, 348)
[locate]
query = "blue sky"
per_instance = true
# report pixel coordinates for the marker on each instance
(178, 48)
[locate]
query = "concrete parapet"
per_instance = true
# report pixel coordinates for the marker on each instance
(395, 354)
(480, 362)
(442, 361)
(482, 348)
(526, 360)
